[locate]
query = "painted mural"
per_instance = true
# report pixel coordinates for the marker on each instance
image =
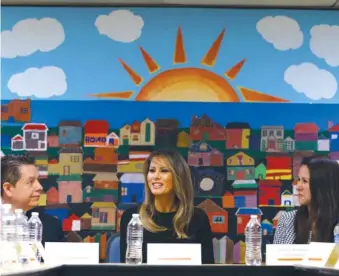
(90, 92)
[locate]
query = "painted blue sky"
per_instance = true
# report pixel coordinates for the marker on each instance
(89, 60)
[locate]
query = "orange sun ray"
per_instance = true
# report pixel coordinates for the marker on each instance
(234, 71)
(251, 95)
(150, 62)
(211, 56)
(114, 95)
(136, 78)
(179, 53)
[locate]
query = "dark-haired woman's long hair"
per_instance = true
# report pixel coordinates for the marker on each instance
(323, 212)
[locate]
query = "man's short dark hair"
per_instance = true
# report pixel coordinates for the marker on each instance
(10, 168)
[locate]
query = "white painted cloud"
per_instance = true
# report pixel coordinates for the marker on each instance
(31, 35)
(315, 83)
(324, 43)
(120, 25)
(281, 31)
(42, 82)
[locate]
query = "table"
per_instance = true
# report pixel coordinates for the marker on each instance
(151, 270)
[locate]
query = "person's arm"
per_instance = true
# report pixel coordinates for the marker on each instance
(206, 240)
(280, 232)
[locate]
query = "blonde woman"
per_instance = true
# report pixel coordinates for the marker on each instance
(168, 213)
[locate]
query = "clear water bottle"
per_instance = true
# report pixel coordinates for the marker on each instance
(22, 232)
(135, 232)
(8, 236)
(35, 231)
(336, 233)
(253, 240)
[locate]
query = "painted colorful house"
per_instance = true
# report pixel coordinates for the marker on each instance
(239, 252)
(68, 224)
(240, 166)
(204, 128)
(243, 217)
(147, 130)
(223, 250)
(70, 188)
(70, 133)
(16, 110)
(70, 161)
(103, 216)
(245, 198)
(86, 221)
(35, 136)
(106, 181)
(237, 135)
(202, 154)
(52, 196)
(272, 138)
(279, 167)
(132, 188)
(184, 140)
(260, 171)
(306, 136)
(218, 217)
(17, 143)
(228, 200)
(270, 192)
(323, 143)
(287, 198)
(334, 138)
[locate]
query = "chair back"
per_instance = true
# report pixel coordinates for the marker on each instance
(113, 249)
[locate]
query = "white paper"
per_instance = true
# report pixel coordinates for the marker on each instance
(173, 254)
(71, 253)
(286, 254)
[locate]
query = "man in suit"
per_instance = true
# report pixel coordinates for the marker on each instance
(21, 188)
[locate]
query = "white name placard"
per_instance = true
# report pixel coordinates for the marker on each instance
(173, 254)
(71, 253)
(322, 254)
(286, 254)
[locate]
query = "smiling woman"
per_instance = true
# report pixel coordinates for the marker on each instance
(168, 213)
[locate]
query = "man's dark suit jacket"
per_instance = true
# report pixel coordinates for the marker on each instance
(52, 228)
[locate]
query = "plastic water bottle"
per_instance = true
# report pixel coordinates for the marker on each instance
(336, 233)
(22, 232)
(135, 232)
(253, 237)
(8, 236)
(35, 231)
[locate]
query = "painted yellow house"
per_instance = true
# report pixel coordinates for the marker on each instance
(184, 140)
(103, 216)
(147, 133)
(70, 161)
(240, 159)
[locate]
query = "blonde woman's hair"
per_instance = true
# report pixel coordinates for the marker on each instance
(183, 189)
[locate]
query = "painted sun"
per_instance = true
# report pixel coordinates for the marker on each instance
(189, 83)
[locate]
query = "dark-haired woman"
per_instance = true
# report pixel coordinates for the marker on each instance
(318, 195)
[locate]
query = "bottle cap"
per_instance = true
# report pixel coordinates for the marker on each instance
(36, 214)
(18, 211)
(135, 215)
(254, 216)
